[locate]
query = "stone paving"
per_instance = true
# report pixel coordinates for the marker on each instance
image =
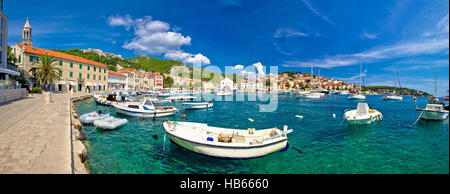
(35, 136)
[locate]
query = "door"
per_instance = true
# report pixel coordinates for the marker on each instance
(79, 87)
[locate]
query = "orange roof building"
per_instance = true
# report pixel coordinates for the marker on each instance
(77, 74)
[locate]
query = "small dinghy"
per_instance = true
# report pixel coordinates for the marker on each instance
(434, 111)
(197, 105)
(362, 115)
(226, 143)
(144, 109)
(89, 118)
(110, 122)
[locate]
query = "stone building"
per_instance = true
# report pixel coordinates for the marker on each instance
(5, 69)
(116, 80)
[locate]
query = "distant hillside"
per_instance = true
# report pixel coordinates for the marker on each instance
(402, 91)
(145, 63)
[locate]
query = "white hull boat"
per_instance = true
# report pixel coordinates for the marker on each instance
(311, 96)
(89, 118)
(226, 143)
(345, 92)
(110, 123)
(144, 109)
(362, 115)
(224, 94)
(181, 98)
(392, 97)
(357, 97)
(434, 112)
(199, 105)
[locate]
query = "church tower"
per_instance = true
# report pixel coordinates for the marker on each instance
(26, 34)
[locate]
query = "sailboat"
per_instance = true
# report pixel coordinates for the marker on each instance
(358, 96)
(393, 96)
(435, 110)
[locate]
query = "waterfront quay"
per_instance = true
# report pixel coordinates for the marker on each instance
(35, 137)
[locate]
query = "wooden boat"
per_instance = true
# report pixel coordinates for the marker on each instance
(197, 105)
(226, 143)
(362, 115)
(144, 109)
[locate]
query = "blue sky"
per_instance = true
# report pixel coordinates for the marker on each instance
(336, 36)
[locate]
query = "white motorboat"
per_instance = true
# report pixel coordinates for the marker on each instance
(392, 97)
(89, 118)
(362, 115)
(144, 109)
(181, 98)
(110, 123)
(224, 93)
(301, 92)
(434, 111)
(357, 97)
(197, 105)
(314, 95)
(164, 94)
(344, 92)
(226, 143)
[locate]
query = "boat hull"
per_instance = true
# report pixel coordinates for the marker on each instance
(229, 152)
(399, 98)
(145, 114)
(197, 106)
(434, 115)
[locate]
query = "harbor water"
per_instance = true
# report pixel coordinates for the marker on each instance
(329, 145)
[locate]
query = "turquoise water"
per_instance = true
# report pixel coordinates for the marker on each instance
(390, 146)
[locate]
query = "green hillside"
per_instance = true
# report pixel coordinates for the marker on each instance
(402, 91)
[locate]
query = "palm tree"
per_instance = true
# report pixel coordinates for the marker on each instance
(46, 72)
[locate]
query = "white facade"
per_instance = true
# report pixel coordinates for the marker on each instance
(226, 84)
(116, 82)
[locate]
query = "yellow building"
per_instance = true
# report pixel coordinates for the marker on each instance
(76, 73)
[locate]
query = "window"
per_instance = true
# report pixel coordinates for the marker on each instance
(60, 63)
(71, 65)
(100, 70)
(60, 73)
(31, 58)
(94, 76)
(81, 66)
(95, 69)
(20, 58)
(89, 67)
(88, 75)
(104, 78)
(104, 70)
(71, 74)
(79, 75)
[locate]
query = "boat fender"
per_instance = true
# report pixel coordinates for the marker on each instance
(251, 120)
(334, 115)
(299, 116)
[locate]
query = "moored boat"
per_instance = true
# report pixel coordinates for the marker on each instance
(313, 95)
(357, 97)
(197, 105)
(226, 143)
(144, 109)
(362, 115)
(89, 118)
(392, 97)
(110, 122)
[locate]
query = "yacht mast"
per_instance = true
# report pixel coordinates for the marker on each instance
(360, 76)
(435, 82)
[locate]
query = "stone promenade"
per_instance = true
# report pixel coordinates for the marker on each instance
(35, 136)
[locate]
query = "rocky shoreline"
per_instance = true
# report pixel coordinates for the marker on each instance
(79, 151)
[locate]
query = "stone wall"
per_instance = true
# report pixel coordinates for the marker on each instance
(7, 95)
(79, 150)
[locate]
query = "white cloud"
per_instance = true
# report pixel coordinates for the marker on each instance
(259, 68)
(367, 35)
(238, 67)
(197, 59)
(443, 24)
(120, 21)
(425, 47)
(316, 12)
(152, 37)
(284, 32)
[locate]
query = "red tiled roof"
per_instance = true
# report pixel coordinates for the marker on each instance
(40, 51)
(115, 73)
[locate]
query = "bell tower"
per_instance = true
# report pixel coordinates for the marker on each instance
(26, 34)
